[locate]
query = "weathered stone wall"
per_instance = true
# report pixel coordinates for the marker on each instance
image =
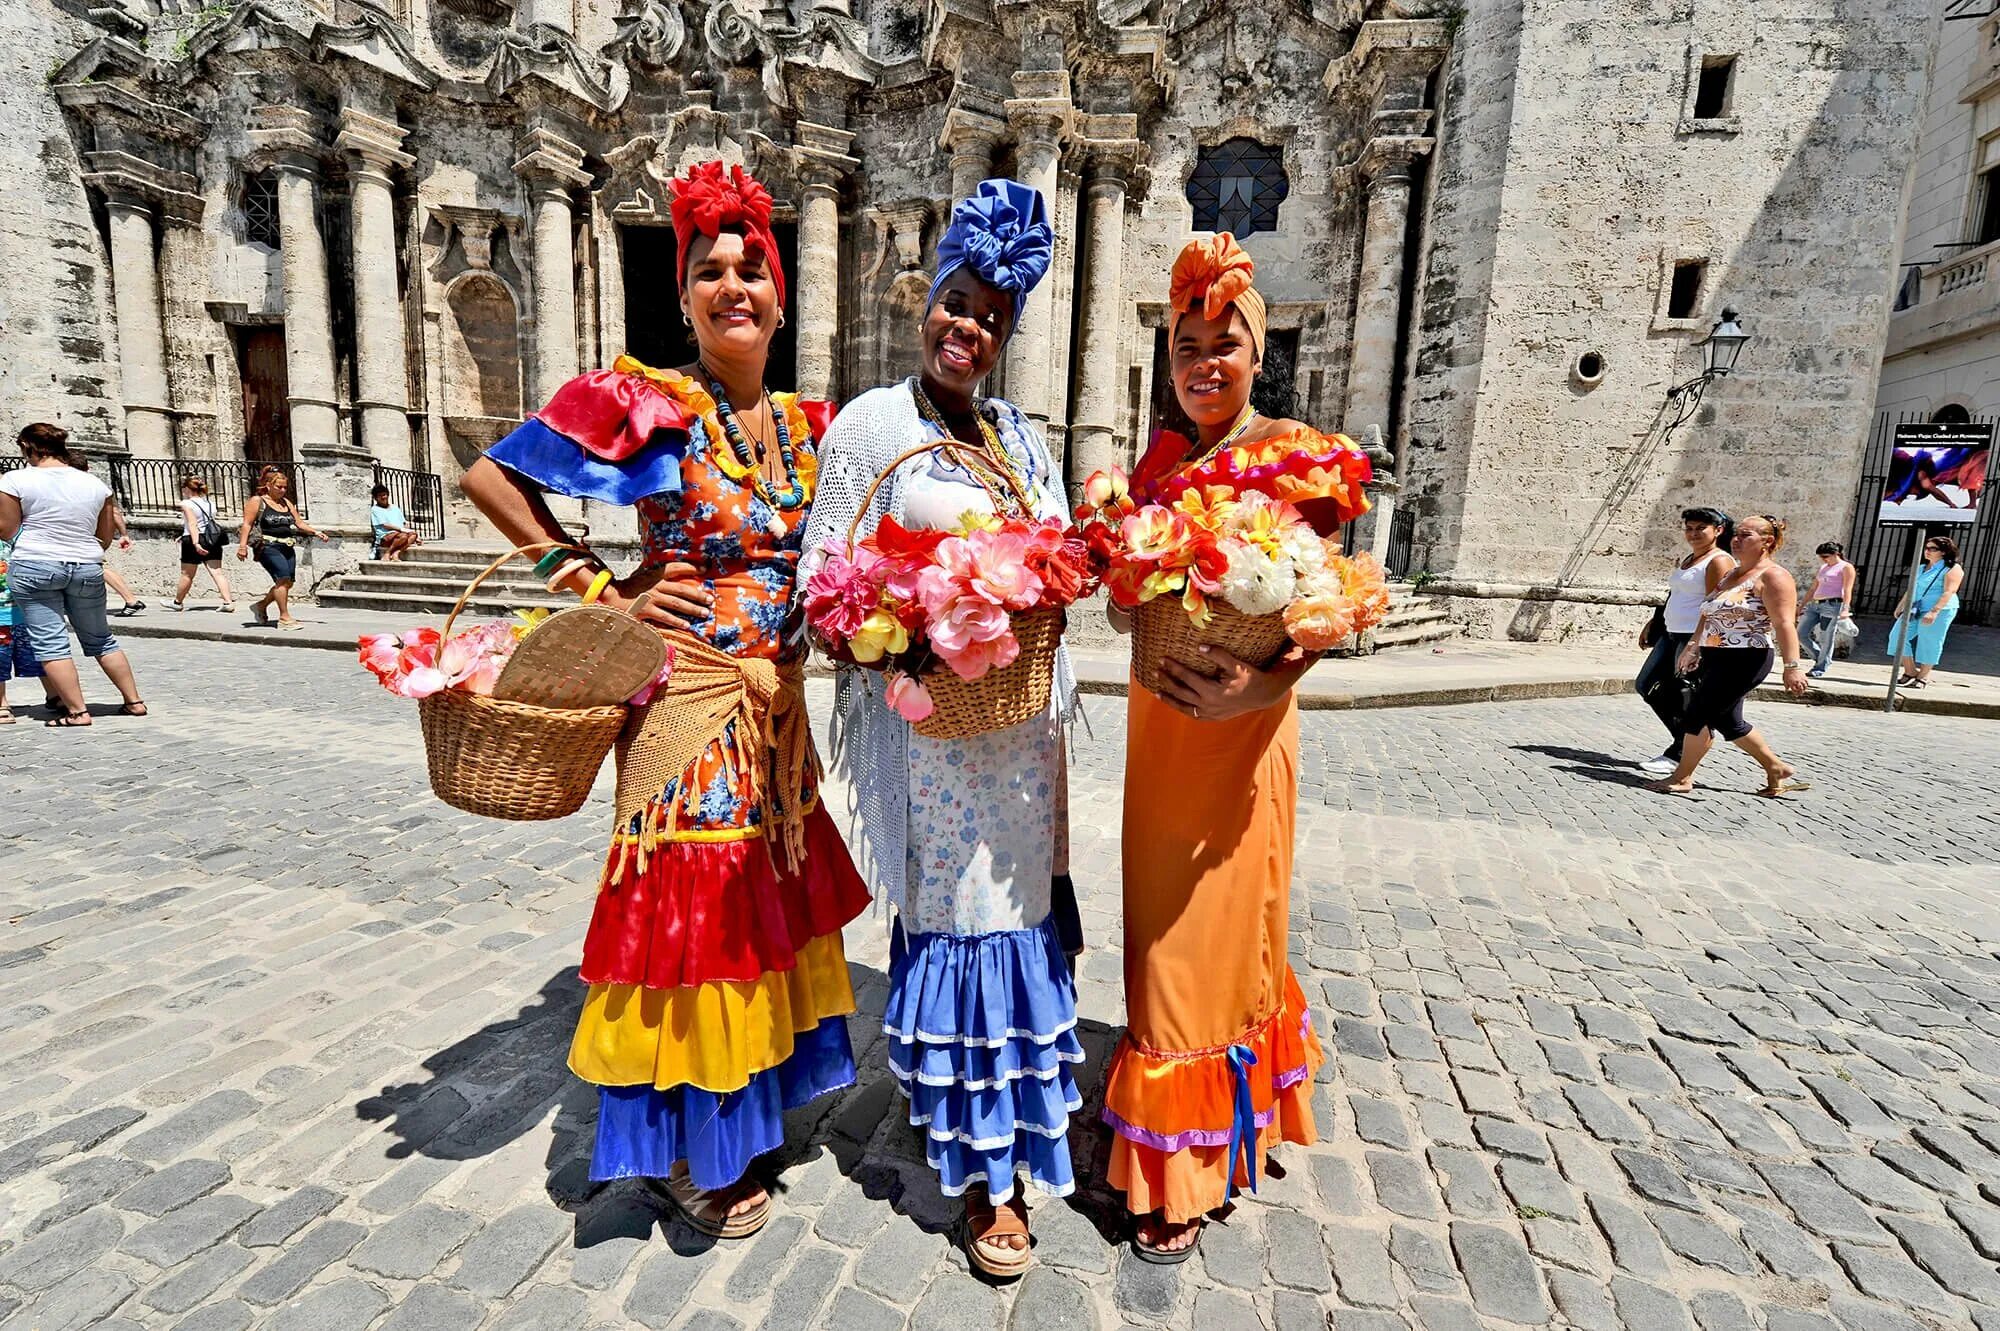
(57, 359)
(1540, 480)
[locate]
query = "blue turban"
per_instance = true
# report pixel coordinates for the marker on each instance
(1002, 234)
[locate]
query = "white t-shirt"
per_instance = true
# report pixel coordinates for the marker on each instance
(59, 508)
(1687, 588)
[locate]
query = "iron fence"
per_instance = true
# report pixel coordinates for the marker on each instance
(420, 494)
(153, 485)
(1881, 554)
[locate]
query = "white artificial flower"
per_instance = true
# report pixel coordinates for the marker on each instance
(1255, 583)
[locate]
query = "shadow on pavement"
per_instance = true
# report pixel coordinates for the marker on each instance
(487, 1090)
(1577, 756)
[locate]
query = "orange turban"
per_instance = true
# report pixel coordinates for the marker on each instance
(1217, 273)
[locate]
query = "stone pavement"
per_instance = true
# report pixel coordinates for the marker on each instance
(284, 1037)
(1455, 672)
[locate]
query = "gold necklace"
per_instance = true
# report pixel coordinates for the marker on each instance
(990, 463)
(1242, 424)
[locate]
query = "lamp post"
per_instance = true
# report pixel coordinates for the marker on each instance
(1720, 349)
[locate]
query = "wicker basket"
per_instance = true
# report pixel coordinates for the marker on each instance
(513, 760)
(999, 698)
(1162, 631)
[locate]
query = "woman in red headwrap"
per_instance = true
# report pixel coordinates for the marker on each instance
(1215, 1067)
(718, 985)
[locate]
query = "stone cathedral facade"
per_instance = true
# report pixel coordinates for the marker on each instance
(1491, 231)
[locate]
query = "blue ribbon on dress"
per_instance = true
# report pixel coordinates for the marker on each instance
(1243, 1127)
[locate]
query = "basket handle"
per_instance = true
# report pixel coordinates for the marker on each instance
(854, 527)
(494, 567)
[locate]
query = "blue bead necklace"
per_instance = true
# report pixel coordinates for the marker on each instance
(794, 494)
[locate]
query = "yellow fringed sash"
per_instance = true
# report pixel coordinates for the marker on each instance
(708, 693)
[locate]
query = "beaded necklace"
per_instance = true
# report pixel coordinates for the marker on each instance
(990, 465)
(1242, 424)
(793, 496)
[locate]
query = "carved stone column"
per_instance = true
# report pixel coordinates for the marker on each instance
(551, 166)
(971, 138)
(1039, 117)
(823, 163)
(381, 402)
(283, 136)
(142, 342)
(1378, 303)
(1093, 429)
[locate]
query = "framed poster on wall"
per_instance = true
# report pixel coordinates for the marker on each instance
(1937, 473)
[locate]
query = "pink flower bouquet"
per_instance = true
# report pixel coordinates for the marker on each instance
(913, 601)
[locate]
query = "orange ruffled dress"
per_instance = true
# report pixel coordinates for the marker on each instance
(719, 990)
(1217, 1060)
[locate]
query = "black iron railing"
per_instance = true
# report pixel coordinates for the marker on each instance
(420, 494)
(153, 485)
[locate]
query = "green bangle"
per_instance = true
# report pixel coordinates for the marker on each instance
(547, 563)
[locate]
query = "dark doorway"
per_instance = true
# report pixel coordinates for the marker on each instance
(260, 363)
(1272, 395)
(654, 332)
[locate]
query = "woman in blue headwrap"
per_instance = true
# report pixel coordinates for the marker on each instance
(959, 836)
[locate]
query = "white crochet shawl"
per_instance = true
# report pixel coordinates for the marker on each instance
(869, 744)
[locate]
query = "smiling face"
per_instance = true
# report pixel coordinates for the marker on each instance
(1214, 365)
(730, 296)
(964, 331)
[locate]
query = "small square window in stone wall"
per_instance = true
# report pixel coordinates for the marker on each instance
(1684, 298)
(1715, 87)
(1237, 186)
(260, 210)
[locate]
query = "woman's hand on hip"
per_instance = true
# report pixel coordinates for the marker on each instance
(672, 595)
(1237, 691)
(1931, 618)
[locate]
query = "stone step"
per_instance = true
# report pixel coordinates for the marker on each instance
(480, 607)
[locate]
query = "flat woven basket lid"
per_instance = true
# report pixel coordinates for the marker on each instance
(585, 656)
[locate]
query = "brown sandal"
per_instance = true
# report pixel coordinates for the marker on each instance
(985, 1222)
(708, 1211)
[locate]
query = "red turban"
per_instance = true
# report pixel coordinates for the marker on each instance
(711, 199)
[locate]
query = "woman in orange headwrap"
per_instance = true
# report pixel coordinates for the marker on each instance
(1216, 1063)
(718, 987)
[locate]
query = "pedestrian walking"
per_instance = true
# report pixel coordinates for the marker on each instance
(1748, 613)
(1707, 532)
(1216, 1064)
(1830, 606)
(1936, 607)
(719, 989)
(961, 834)
(392, 530)
(279, 526)
(60, 521)
(129, 603)
(202, 540)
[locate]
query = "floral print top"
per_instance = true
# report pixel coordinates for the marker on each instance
(1736, 618)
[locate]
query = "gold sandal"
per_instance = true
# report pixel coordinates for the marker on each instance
(708, 1211)
(984, 1222)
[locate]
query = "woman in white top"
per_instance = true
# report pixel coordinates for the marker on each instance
(60, 521)
(1707, 532)
(202, 539)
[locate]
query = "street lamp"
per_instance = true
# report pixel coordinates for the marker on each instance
(1720, 349)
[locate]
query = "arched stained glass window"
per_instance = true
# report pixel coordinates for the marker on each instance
(1237, 186)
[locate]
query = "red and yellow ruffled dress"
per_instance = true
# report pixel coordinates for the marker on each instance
(718, 984)
(1216, 1064)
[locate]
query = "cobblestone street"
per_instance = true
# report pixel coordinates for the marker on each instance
(284, 1039)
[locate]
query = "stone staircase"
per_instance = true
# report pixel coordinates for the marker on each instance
(429, 579)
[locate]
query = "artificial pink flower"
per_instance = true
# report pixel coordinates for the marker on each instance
(843, 592)
(976, 658)
(992, 564)
(908, 698)
(658, 682)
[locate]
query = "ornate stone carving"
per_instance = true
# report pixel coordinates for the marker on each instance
(652, 37)
(734, 30)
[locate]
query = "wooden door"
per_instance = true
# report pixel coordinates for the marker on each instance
(260, 358)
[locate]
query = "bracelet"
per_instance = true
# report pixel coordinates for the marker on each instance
(597, 586)
(562, 573)
(1793, 665)
(551, 560)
